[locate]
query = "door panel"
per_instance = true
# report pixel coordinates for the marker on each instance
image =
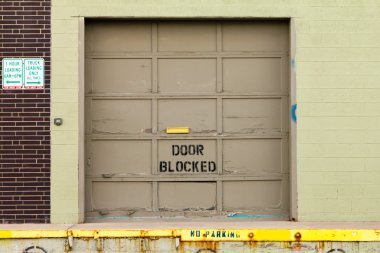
(252, 116)
(122, 195)
(186, 36)
(252, 195)
(186, 75)
(187, 196)
(252, 156)
(197, 114)
(252, 75)
(118, 37)
(122, 157)
(259, 36)
(122, 75)
(121, 116)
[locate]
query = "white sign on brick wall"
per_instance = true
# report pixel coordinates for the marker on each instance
(23, 73)
(12, 73)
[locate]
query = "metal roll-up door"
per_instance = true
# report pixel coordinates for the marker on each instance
(187, 118)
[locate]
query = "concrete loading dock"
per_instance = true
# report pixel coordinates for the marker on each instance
(195, 236)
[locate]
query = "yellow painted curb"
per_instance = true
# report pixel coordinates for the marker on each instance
(341, 235)
(123, 233)
(28, 234)
(280, 235)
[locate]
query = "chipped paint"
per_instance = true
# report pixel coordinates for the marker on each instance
(256, 216)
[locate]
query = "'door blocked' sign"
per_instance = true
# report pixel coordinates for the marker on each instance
(23, 73)
(187, 156)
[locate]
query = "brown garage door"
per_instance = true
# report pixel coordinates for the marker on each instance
(224, 82)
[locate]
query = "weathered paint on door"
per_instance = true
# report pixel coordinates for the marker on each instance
(226, 81)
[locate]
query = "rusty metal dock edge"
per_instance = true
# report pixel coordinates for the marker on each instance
(274, 235)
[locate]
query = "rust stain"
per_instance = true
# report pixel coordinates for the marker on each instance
(321, 247)
(252, 245)
(119, 244)
(297, 246)
(143, 233)
(200, 247)
(298, 236)
(142, 248)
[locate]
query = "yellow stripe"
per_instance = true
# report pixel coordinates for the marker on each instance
(280, 235)
(123, 233)
(347, 235)
(16, 234)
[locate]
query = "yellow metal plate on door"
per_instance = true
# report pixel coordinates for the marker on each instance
(177, 130)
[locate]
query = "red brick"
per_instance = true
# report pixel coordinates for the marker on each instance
(12, 8)
(25, 117)
(31, 3)
(6, 3)
(26, 12)
(6, 13)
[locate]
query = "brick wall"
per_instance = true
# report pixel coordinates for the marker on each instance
(25, 116)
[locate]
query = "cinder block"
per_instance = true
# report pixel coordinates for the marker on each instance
(317, 136)
(366, 205)
(337, 81)
(319, 191)
(336, 25)
(339, 95)
(366, 177)
(66, 96)
(372, 164)
(66, 68)
(64, 110)
(65, 26)
(327, 178)
(338, 123)
(351, 191)
(65, 54)
(64, 12)
(338, 150)
(334, 164)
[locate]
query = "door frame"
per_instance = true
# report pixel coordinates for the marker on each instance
(292, 109)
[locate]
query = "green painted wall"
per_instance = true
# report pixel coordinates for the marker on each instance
(338, 95)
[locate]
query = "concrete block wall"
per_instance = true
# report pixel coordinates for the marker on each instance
(338, 95)
(25, 117)
(337, 75)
